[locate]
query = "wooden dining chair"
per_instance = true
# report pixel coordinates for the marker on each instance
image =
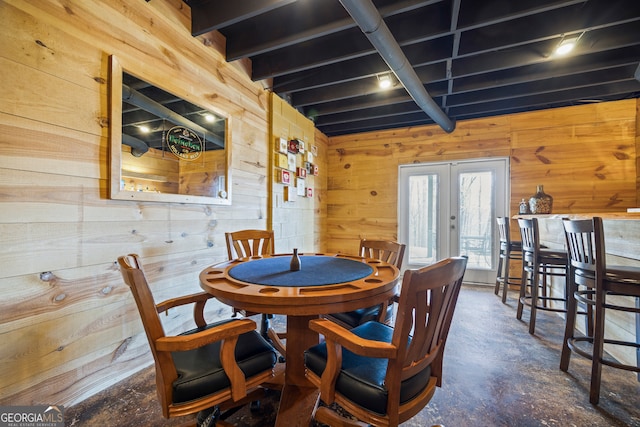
(214, 364)
(539, 266)
(387, 251)
(384, 375)
(510, 250)
(247, 243)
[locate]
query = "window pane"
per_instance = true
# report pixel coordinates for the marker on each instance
(423, 220)
(475, 220)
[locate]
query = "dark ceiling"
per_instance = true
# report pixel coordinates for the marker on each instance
(475, 58)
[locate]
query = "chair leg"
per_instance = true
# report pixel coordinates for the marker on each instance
(499, 275)
(598, 350)
(535, 278)
(523, 290)
(570, 324)
(638, 335)
(505, 284)
(265, 325)
(543, 287)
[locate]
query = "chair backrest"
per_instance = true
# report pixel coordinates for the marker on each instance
(530, 237)
(427, 301)
(504, 230)
(385, 250)
(134, 277)
(580, 236)
(246, 243)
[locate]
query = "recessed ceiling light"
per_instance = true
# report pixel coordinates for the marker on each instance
(210, 118)
(144, 129)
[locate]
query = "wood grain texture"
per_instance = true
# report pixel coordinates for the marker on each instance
(585, 157)
(71, 327)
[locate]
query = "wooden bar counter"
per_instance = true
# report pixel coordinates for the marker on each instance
(622, 239)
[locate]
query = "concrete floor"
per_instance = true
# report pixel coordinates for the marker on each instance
(495, 374)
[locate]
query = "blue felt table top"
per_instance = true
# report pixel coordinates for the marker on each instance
(315, 270)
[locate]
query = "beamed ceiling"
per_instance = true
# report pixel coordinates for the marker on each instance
(475, 58)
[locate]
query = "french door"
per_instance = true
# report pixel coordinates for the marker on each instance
(449, 209)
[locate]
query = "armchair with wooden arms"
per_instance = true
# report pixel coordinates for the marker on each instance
(384, 375)
(220, 364)
(247, 243)
(388, 251)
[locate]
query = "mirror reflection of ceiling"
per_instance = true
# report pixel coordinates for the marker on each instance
(149, 112)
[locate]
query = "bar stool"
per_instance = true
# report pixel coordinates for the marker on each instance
(586, 246)
(539, 264)
(509, 250)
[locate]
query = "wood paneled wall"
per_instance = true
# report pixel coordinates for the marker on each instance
(68, 323)
(585, 156)
(300, 223)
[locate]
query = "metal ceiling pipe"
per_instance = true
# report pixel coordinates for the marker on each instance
(138, 146)
(134, 97)
(365, 14)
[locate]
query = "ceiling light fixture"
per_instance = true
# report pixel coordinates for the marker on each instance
(566, 45)
(384, 81)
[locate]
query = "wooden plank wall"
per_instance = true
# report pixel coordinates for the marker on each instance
(297, 224)
(68, 323)
(585, 156)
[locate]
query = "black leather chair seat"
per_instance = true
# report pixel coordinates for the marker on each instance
(201, 370)
(361, 379)
(361, 315)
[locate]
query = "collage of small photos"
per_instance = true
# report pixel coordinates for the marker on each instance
(294, 167)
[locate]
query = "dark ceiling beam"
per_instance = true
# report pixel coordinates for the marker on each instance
(597, 92)
(347, 44)
(529, 73)
(209, 15)
(439, 49)
(526, 86)
(605, 92)
(323, 98)
(304, 22)
(546, 86)
(429, 55)
(550, 24)
(407, 120)
(379, 112)
(491, 95)
(361, 87)
(363, 103)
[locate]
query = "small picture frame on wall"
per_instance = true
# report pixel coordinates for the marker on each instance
(300, 146)
(309, 192)
(302, 191)
(291, 162)
(282, 160)
(301, 173)
(285, 176)
(314, 150)
(282, 145)
(293, 146)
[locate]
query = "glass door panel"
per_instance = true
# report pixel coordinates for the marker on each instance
(449, 209)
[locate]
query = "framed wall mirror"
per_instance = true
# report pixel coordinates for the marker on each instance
(165, 145)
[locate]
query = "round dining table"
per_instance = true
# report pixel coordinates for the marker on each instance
(324, 284)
